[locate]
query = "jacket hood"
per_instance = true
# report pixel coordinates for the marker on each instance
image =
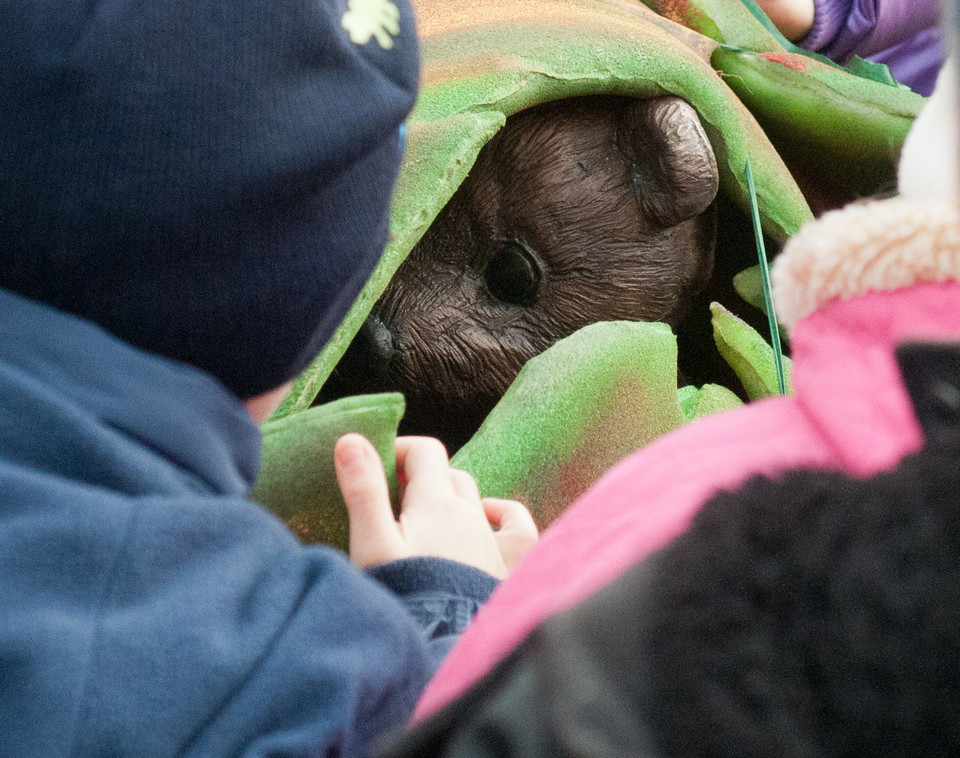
(80, 404)
(877, 246)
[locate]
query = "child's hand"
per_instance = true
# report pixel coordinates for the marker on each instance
(441, 514)
(794, 18)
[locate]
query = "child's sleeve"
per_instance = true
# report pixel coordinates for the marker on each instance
(443, 596)
(844, 28)
(218, 633)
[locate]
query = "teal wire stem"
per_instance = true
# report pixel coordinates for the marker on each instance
(765, 281)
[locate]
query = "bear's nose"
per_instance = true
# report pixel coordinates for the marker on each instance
(375, 340)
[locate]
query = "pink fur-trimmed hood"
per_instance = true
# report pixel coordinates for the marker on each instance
(876, 246)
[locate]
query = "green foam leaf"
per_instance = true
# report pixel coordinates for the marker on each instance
(574, 411)
(844, 129)
(748, 354)
(711, 398)
(749, 285)
(297, 481)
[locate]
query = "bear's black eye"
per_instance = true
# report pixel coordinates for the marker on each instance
(513, 275)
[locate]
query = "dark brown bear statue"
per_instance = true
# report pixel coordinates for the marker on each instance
(587, 209)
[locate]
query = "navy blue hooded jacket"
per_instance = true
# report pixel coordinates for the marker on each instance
(146, 607)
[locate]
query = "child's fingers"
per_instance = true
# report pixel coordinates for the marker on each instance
(465, 485)
(505, 513)
(425, 467)
(374, 536)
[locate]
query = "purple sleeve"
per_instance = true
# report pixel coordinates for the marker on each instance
(844, 28)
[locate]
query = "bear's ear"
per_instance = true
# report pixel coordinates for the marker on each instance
(931, 375)
(672, 166)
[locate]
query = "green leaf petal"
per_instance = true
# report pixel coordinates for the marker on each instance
(842, 128)
(747, 353)
(711, 398)
(749, 285)
(573, 412)
(297, 481)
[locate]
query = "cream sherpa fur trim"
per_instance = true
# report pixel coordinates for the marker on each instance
(877, 245)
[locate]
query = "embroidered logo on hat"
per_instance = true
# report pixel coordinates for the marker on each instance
(372, 18)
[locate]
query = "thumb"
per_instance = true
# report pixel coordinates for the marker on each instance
(374, 535)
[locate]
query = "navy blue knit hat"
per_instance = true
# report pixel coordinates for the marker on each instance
(207, 179)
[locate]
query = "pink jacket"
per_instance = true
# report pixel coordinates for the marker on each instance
(850, 286)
